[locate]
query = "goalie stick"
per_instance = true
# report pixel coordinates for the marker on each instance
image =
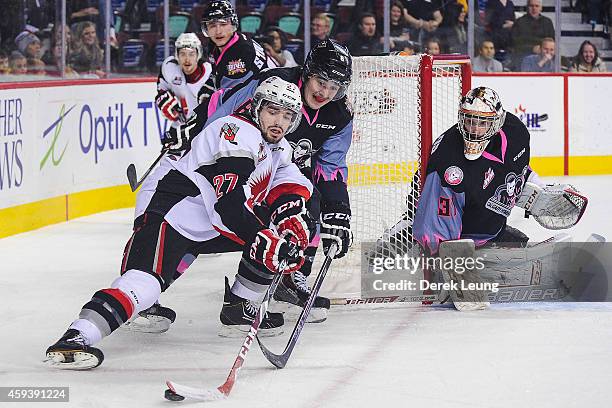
(280, 360)
(178, 392)
(131, 172)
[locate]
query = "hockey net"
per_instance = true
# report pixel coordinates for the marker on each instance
(399, 103)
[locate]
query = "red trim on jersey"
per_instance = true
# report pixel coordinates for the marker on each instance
(229, 235)
(121, 298)
(160, 248)
(287, 188)
(244, 119)
(196, 75)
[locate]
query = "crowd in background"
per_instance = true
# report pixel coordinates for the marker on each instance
(31, 37)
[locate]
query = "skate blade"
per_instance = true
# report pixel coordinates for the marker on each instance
(291, 312)
(81, 360)
(151, 324)
(242, 330)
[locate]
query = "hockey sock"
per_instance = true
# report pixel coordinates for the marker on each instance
(108, 309)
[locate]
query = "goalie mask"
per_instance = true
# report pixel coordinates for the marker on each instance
(481, 116)
(219, 10)
(281, 93)
(330, 61)
(188, 40)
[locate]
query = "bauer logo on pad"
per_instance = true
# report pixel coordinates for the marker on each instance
(453, 175)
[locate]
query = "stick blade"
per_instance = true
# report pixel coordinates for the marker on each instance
(178, 392)
(131, 176)
(279, 361)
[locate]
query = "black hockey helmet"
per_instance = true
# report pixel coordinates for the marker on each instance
(331, 61)
(219, 10)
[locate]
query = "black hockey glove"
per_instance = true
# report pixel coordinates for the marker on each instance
(206, 92)
(270, 250)
(292, 220)
(178, 139)
(336, 227)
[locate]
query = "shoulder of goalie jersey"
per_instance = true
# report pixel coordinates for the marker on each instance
(515, 129)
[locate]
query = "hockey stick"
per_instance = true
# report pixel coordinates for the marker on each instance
(178, 392)
(131, 172)
(280, 360)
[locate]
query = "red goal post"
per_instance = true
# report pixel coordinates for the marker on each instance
(400, 105)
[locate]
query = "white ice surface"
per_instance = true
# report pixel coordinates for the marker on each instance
(513, 355)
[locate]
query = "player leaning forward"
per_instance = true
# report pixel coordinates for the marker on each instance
(320, 144)
(204, 204)
(478, 171)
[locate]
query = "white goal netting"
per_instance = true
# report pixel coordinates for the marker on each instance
(388, 138)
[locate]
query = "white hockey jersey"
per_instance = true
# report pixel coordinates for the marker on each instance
(213, 188)
(172, 78)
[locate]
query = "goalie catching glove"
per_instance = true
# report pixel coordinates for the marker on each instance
(270, 250)
(336, 227)
(169, 105)
(292, 220)
(555, 206)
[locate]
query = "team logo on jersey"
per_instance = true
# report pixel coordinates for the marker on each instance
(236, 67)
(519, 155)
(259, 188)
(229, 132)
(506, 194)
(302, 152)
(177, 80)
(488, 177)
(261, 156)
(453, 175)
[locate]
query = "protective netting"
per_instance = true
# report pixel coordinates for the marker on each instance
(385, 155)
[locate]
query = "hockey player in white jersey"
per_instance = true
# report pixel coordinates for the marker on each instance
(204, 204)
(184, 80)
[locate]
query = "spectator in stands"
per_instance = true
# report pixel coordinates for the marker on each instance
(320, 29)
(543, 61)
(87, 57)
(36, 66)
(4, 62)
(28, 44)
(587, 59)
(499, 18)
(528, 31)
(11, 21)
(454, 32)
(365, 41)
(485, 61)
(40, 13)
(433, 46)
(408, 47)
(400, 30)
(52, 57)
(82, 10)
(18, 64)
(274, 44)
(424, 16)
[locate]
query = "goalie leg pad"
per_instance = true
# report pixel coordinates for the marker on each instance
(461, 277)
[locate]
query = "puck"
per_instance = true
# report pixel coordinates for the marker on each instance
(172, 396)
